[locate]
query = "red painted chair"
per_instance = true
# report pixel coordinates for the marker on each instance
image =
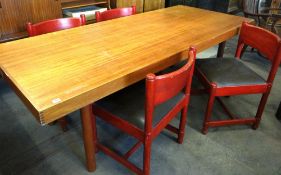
(230, 76)
(115, 13)
(166, 95)
(54, 25)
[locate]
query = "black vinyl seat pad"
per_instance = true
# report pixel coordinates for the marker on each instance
(129, 105)
(228, 72)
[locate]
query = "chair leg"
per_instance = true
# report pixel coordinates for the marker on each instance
(146, 154)
(243, 51)
(63, 123)
(208, 112)
(182, 125)
(260, 110)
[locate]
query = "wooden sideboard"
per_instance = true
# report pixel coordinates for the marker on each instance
(14, 14)
(141, 5)
(226, 6)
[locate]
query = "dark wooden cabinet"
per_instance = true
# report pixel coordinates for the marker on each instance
(128, 3)
(153, 5)
(226, 6)
(68, 4)
(181, 2)
(45, 9)
(13, 16)
(141, 5)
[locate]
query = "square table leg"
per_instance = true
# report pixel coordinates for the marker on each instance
(278, 113)
(221, 49)
(89, 136)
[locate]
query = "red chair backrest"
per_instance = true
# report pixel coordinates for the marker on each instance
(115, 13)
(162, 88)
(54, 25)
(266, 42)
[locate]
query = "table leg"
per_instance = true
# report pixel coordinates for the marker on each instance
(221, 49)
(89, 126)
(278, 113)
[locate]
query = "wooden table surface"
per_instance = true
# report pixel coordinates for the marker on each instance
(60, 72)
(57, 73)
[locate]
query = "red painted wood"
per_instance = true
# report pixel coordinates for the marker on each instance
(118, 122)
(120, 159)
(168, 85)
(172, 129)
(231, 122)
(133, 149)
(63, 123)
(168, 117)
(54, 25)
(208, 111)
(263, 40)
(158, 90)
(226, 110)
(115, 13)
(239, 90)
(269, 45)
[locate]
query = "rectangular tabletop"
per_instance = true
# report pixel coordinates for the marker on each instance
(58, 73)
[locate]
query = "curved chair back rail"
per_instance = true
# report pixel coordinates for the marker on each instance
(166, 86)
(115, 13)
(54, 25)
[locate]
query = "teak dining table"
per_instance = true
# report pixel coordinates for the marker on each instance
(57, 73)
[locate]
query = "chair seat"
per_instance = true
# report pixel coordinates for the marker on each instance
(227, 72)
(129, 104)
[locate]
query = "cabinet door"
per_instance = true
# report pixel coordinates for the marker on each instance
(1, 21)
(128, 3)
(174, 2)
(153, 5)
(190, 3)
(14, 14)
(45, 9)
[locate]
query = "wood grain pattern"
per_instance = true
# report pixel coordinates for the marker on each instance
(43, 10)
(130, 3)
(66, 4)
(15, 14)
(60, 72)
(153, 5)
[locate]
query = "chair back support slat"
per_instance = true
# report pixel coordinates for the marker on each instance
(115, 13)
(168, 85)
(54, 25)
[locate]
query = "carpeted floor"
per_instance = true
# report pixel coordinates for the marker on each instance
(27, 148)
